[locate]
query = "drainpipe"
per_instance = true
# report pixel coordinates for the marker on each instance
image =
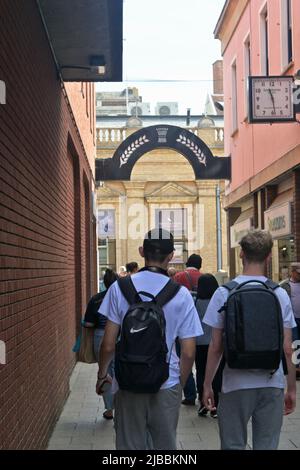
(219, 229)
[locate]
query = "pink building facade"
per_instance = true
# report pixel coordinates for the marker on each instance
(261, 38)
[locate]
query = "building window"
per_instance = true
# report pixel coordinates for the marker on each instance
(264, 35)
(286, 33)
(247, 62)
(173, 220)
(234, 94)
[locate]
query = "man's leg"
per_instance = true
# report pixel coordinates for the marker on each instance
(201, 360)
(131, 420)
(234, 412)
(163, 414)
(267, 419)
(189, 390)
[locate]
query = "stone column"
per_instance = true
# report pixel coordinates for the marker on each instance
(136, 220)
(207, 224)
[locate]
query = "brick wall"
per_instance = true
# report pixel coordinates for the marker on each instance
(44, 230)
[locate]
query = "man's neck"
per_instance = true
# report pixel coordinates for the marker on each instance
(254, 270)
(151, 264)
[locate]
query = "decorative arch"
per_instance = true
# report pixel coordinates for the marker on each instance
(200, 157)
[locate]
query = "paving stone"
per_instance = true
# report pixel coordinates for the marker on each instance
(82, 427)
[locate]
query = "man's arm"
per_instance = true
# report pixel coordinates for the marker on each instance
(187, 357)
(215, 353)
(107, 351)
(290, 396)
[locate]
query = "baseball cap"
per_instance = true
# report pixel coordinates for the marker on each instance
(296, 267)
(158, 241)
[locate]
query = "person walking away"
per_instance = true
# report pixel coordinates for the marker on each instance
(93, 319)
(292, 286)
(189, 279)
(255, 389)
(148, 396)
(132, 268)
(207, 285)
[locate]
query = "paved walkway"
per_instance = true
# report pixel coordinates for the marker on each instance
(82, 427)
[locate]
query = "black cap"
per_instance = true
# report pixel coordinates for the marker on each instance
(159, 241)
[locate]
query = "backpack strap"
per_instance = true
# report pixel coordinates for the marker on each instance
(272, 285)
(128, 290)
(167, 293)
(231, 285)
(189, 278)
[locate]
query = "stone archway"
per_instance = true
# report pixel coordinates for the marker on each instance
(200, 157)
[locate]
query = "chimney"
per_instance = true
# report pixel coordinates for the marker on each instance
(218, 77)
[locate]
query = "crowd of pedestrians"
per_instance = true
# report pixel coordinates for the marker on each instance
(154, 326)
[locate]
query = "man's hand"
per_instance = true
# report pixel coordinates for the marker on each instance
(208, 398)
(101, 383)
(289, 403)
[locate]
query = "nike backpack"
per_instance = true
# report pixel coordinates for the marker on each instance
(253, 331)
(141, 360)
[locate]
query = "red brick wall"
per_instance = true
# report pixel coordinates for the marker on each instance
(43, 232)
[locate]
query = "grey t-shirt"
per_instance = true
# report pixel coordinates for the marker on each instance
(235, 379)
(201, 306)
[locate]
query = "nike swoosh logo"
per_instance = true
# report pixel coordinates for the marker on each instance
(137, 331)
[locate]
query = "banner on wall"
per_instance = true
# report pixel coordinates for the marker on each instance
(106, 223)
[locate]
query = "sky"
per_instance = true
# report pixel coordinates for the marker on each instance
(170, 40)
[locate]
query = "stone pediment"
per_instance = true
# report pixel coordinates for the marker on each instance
(107, 192)
(171, 191)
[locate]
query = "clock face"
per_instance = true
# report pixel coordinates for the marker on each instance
(271, 99)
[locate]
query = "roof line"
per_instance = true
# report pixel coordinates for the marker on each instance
(221, 18)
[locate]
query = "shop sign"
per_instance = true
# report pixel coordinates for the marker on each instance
(238, 231)
(279, 221)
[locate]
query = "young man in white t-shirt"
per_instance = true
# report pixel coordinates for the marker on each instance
(246, 394)
(145, 420)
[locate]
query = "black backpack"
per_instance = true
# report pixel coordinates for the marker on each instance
(141, 352)
(253, 331)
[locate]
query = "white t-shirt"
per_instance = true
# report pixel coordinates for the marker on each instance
(182, 319)
(234, 379)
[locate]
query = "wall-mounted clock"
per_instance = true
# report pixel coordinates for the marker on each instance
(271, 99)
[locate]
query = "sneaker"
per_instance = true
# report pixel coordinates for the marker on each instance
(188, 402)
(202, 411)
(214, 414)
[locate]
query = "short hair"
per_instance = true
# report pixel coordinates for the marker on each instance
(257, 245)
(207, 286)
(109, 278)
(194, 261)
(130, 267)
(155, 257)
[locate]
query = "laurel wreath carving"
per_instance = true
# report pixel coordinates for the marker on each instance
(194, 148)
(131, 148)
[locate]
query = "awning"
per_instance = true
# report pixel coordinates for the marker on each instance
(85, 34)
(247, 214)
(281, 199)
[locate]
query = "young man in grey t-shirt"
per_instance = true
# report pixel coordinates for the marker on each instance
(246, 394)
